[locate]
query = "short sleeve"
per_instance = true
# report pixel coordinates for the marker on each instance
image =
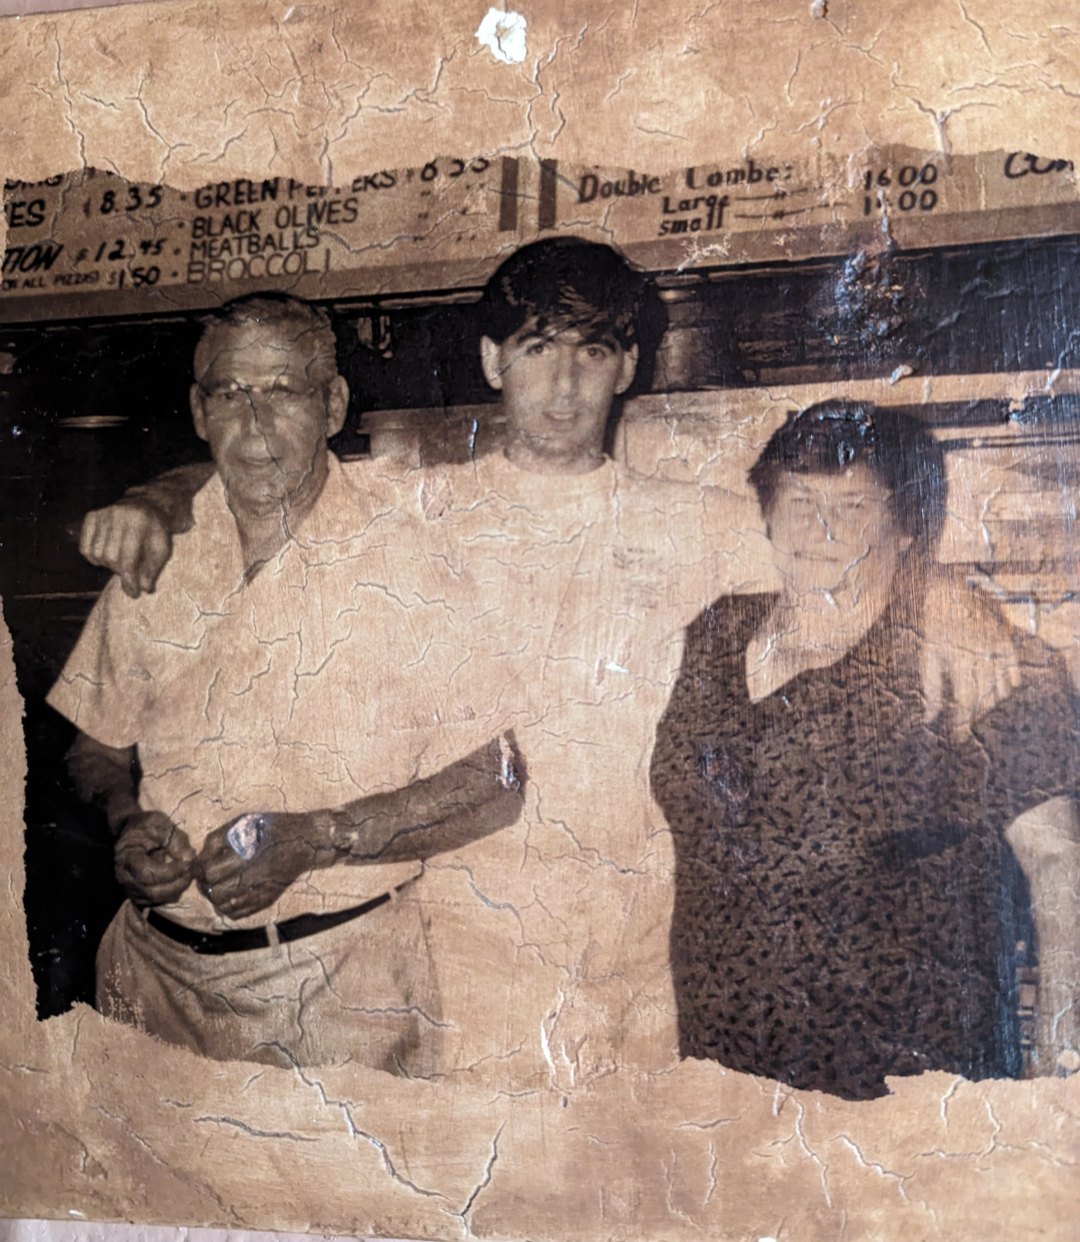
(102, 689)
(1031, 740)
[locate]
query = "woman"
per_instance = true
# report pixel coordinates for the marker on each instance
(847, 904)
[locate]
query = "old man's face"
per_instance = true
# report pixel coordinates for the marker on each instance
(266, 405)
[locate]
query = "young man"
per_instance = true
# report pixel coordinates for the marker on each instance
(247, 683)
(566, 582)
(565, 574)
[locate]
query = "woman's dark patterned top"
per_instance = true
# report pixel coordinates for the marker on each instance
(847, 906)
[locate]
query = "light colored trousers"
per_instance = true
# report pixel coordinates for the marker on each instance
(363, 992)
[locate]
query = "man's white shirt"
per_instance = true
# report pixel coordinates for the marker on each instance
(262, 694)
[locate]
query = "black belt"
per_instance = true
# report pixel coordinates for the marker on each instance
(244, 939)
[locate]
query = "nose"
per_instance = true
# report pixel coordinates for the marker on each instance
(257, 418)
(566, 372)
(262, 408)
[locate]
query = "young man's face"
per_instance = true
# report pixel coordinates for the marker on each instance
(557, 389)
(266, 408)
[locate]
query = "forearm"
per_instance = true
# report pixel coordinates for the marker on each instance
(464, 802)
(105, 777)
(953, 601)
(969, 658)
(246, 865)
(172, 494)
(1046, 841)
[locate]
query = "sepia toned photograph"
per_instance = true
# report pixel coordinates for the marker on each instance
(549, 689)
(335, 760)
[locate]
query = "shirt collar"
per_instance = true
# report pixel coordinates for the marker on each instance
(334, 518)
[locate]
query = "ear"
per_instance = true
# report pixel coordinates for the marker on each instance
(628, 369)
(337, 405)
(491, 361)
(198, 411)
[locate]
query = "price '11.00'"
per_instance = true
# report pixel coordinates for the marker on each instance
(916, 188)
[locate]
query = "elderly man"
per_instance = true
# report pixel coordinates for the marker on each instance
(568, 581)
(251, 681)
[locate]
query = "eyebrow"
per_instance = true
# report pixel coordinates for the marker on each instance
(534, 334)
(223, 384)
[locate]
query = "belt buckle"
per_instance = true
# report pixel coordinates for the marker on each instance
(273, 939)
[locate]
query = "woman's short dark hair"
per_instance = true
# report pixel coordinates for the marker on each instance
(898, 448)
(564, 282)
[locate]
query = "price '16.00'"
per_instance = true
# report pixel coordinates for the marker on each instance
(916, 188)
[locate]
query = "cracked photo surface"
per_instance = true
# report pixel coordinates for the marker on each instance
(539, 570)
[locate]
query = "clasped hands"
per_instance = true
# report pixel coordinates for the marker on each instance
(156, 863)
(246, 864)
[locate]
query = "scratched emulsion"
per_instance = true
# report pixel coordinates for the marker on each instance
(553, 608)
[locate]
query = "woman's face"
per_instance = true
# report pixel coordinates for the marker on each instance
(835, 535)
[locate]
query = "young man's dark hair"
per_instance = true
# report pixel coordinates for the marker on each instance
(565, 282)
(897, 448)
